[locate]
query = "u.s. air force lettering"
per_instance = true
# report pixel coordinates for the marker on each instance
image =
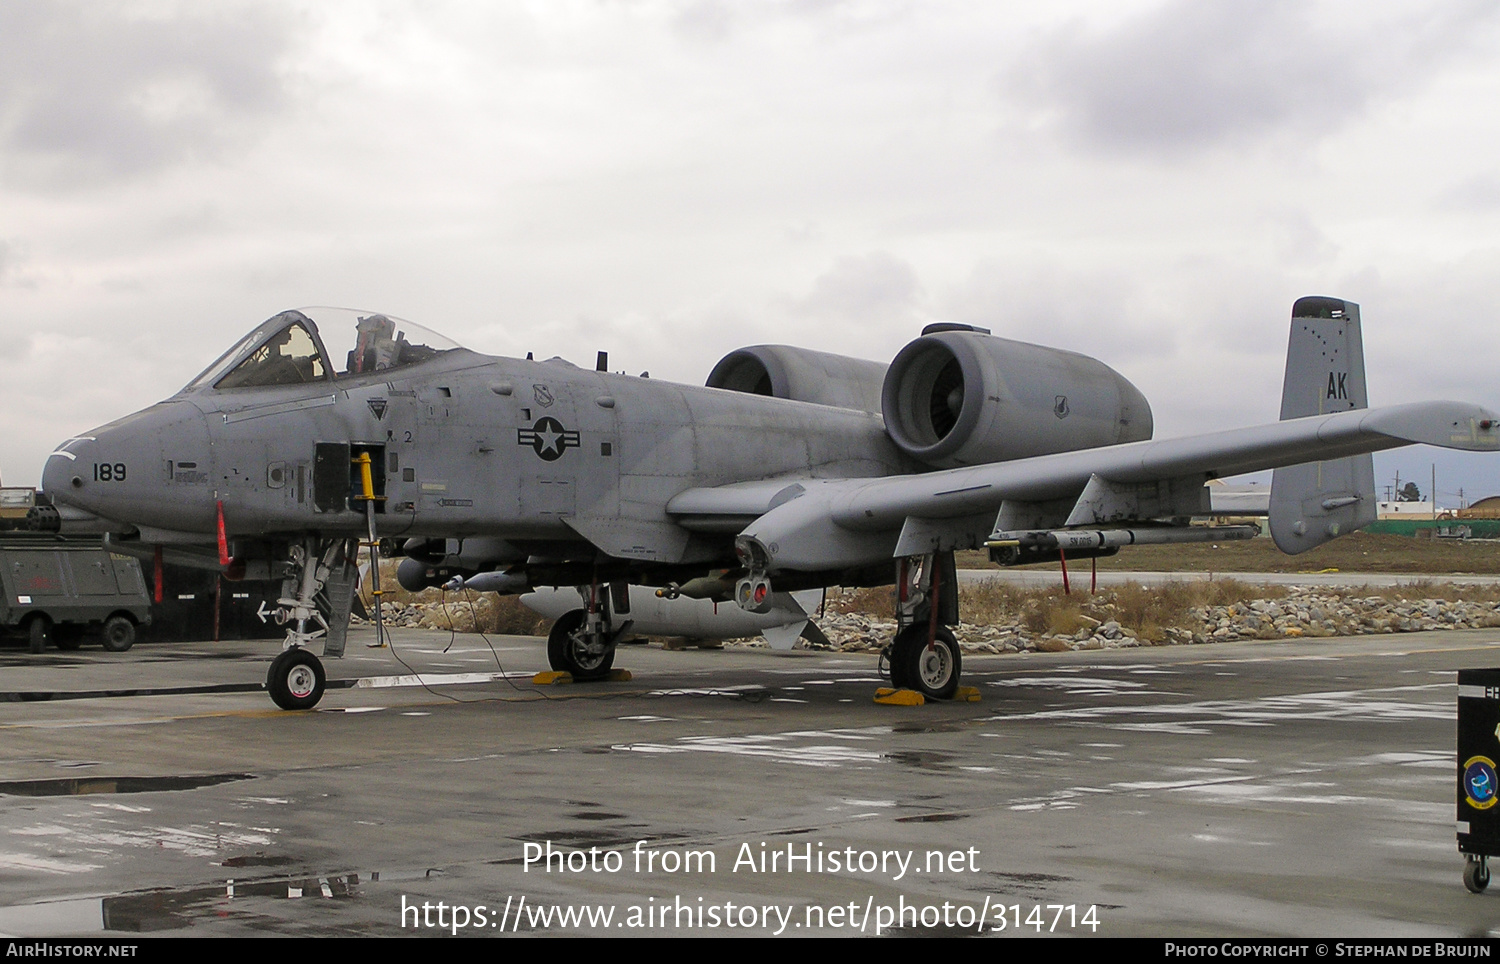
(547, 438)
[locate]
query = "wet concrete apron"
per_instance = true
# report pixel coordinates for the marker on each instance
(1298, 788)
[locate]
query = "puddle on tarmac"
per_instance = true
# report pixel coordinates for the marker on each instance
(258, 860)
(939, 930)
(928, 728)
(74, 786)
(1030, 878)
(161, 910)
(588, 838)
(922, 759)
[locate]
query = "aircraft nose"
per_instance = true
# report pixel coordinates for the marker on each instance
(118, 472)
(62, 477)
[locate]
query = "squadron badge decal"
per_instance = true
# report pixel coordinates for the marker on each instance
(1479, 782)
(547, 438)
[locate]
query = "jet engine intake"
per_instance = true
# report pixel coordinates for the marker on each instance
(955, 398)
(802, 375)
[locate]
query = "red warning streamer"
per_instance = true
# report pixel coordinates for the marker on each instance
(223, 539)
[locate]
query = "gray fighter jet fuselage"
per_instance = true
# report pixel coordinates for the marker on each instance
(465, 445)
(798, 468)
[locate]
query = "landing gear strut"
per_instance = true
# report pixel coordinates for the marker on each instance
(582, 642)
(925, 656)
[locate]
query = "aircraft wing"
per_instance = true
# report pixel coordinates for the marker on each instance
(955, 492)
(808, 524)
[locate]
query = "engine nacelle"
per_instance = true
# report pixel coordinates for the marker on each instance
(802, 375)
(955, 398)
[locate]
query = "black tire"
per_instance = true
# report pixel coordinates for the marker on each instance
(1476, 875)
(39, 632)
(934, 671)
(296, 680)
(887, 667)
(119, 634)
(566, 650)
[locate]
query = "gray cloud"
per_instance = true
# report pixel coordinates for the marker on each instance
(1193, 73)
(1479, 194)
(13, 273)
(702, 20)
(877, 288)
(711, 21)
(1096, 311)
(92, 92)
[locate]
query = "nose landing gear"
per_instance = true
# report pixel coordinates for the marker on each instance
(296, 679)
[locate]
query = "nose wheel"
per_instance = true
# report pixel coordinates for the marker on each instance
(296, 680)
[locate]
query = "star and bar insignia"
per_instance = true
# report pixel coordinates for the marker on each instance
(548, 438)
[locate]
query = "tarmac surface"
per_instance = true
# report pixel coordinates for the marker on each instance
(1289, 788)
(1079, 576)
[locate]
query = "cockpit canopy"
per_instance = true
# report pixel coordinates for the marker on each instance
(294, 349)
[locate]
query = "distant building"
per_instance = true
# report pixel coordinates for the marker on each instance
(1404, 510)
(1488, 508)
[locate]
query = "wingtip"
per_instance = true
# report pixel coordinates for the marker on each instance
(1452, 425)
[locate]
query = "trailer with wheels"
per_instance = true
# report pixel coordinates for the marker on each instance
(1478, 780)
(62, 595)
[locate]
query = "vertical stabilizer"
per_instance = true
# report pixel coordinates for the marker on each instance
(1325, 373)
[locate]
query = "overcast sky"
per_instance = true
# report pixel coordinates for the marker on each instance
(1150, 183)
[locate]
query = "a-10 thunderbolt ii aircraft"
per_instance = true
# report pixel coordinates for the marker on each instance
(792, 469)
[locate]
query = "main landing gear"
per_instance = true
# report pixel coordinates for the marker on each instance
(930, 666)
(582, 642)
(925, 656)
